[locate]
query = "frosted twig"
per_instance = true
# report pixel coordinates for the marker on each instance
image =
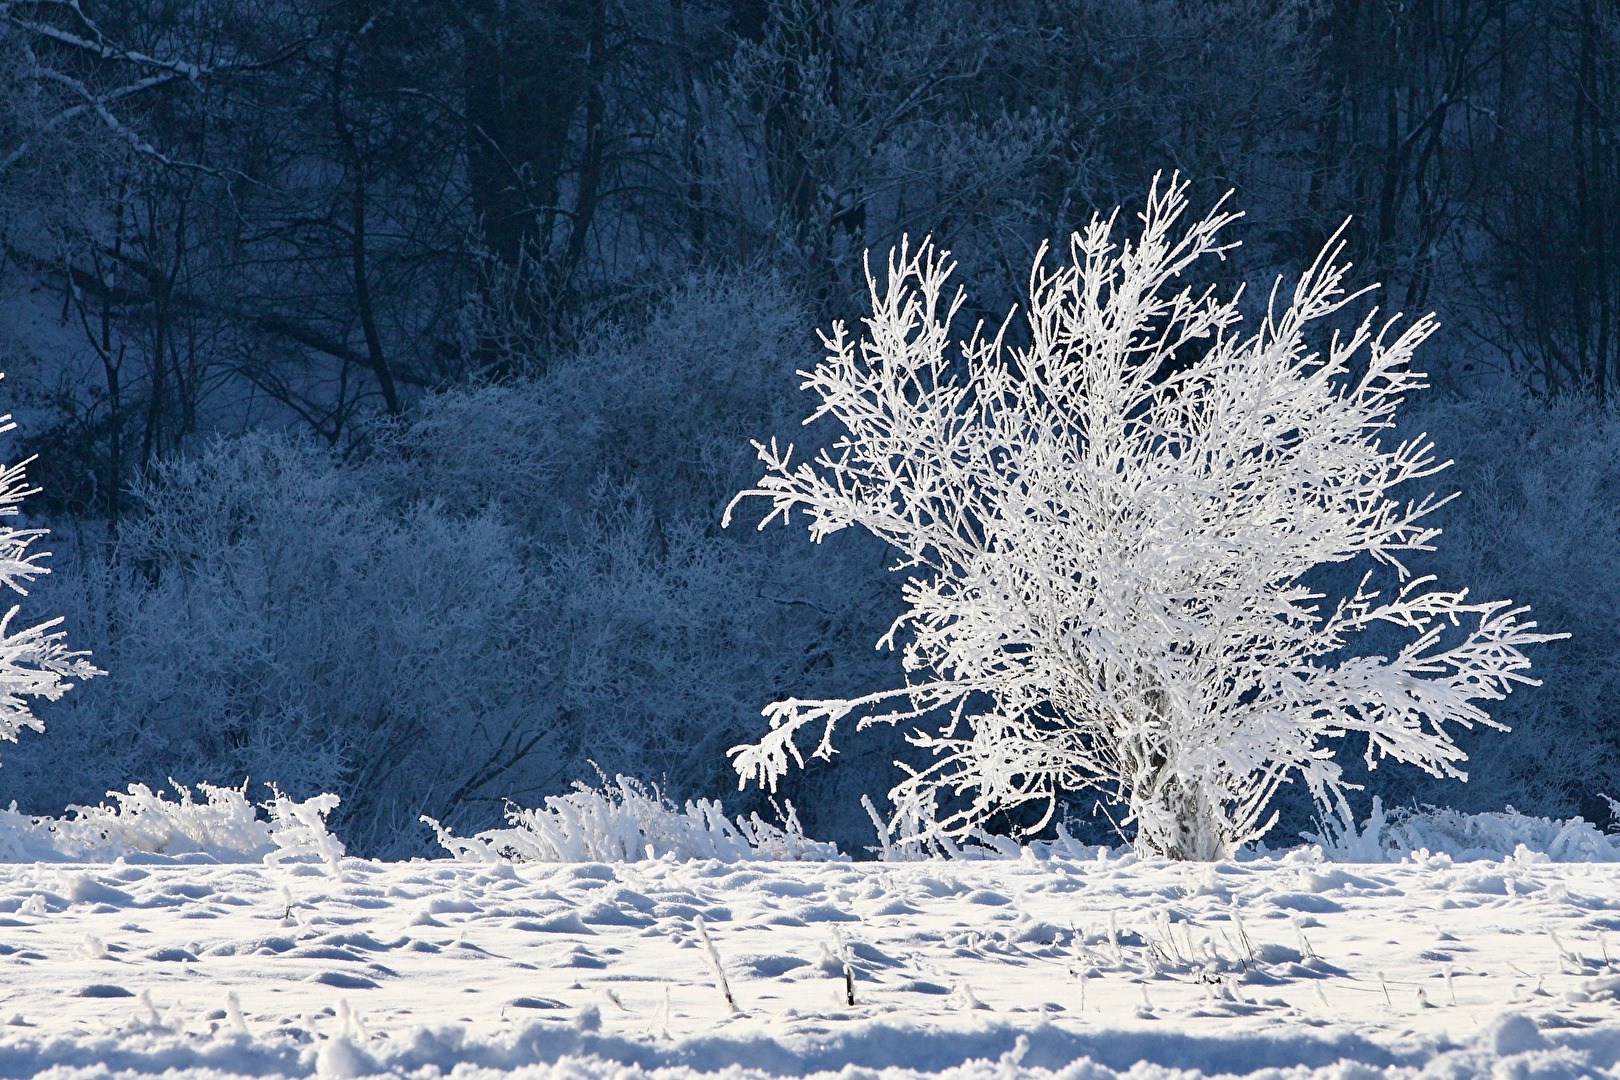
(714, 962)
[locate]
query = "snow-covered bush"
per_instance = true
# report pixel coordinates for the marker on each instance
(506, 584)
(35, 661)
(1107, 532)
(267, 615)
(671, 628)
(713, 360)
(1390, 836)
(624, 821)
(224, 828)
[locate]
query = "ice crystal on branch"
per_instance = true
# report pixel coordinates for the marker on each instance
(1106, 542)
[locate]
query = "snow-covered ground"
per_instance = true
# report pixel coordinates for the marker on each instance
(1023, 967)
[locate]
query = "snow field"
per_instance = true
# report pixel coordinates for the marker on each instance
(994, 968)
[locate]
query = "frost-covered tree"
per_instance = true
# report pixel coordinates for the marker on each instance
(35, 661)
(1108, 534)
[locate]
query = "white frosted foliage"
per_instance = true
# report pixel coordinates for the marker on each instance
(35, 661)
(1105, 535)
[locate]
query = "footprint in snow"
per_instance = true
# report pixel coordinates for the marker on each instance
(770, 967)
(566, 922)
(172, 956)
(342, 980)
(104, 990)
(825, 913)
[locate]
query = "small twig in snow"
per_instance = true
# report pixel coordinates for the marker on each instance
(1305, 950)
(714, 961)
(659, 1028)
(849, 972)
(233, 1013)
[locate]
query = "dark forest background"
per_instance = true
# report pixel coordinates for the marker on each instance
(389, 364)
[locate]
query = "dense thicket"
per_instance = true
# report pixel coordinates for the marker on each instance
(509, 281)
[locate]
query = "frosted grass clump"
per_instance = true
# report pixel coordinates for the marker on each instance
(1392, 835)
(224, 827)
(297, 830)
(625, 821)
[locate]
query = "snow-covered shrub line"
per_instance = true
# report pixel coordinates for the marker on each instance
(1387, 836)
(225, 828)
(627, 820)
(1393, 835)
